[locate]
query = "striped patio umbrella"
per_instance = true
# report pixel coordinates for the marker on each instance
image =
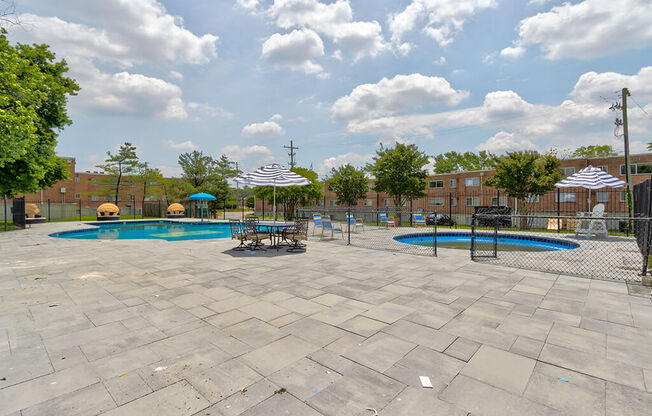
(590, 178)
(273, 175)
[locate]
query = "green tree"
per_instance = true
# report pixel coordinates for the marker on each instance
(250, 202)
(33, 98)
(525, 175)
(222, 170)
(349, 184)
(400, 172)
(175, 190)
(197, 168)
(456, 162)
(117, 165)
(150, 181)
(594, 151)
(294, 196)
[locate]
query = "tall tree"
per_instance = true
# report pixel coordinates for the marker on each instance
(456, 162)
(197, 168)
(349, 184)
(117, 165)
(594, 151)
(400, 172)
(217, 185)
(33, 98)
(150, 180)
(175, 189)
(525, 175)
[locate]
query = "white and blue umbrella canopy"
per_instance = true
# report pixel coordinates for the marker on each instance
(201, 197)
(273, 175)
(591, 178)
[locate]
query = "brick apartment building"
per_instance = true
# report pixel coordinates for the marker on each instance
(460, 192)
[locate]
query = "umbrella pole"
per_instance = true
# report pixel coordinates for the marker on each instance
(275, 202)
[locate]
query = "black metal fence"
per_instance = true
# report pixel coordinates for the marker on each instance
(571, 245)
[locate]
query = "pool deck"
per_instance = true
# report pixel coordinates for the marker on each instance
(151, 327)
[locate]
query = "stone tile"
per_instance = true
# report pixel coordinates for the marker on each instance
(527, 347)
(388, 312)
(90, 400)
(579, 395)
(110, 346)
(179, 399)
(482, 399)
(254, 332)
(578, 339)
(201, 312)
(423, 361)
(272, 357)
(301, 306)
(626, 401)
(631, 351)
(230, 303)
(313, 331)
(264, 311)
(647, 375)
(48, 387)
(501, 369)
(421, 335)
(362, 325)
(329, 299)
(415, 401)
(304, 378)
(221, 381)
(67, 358)
(127, 388)
(281, 404)
(555, 316)
(344, 343)
(85, 336)
(352, 394)
(462, 349)
(241, 401)
(593, 365)
(114, 365)
(480, 334)
(337, 314)
(379, 352)
(528, 327)
(227, 319)
(281, 321)
(191, 300)
(24, 364)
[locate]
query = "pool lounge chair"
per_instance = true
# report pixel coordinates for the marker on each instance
(355, 224)
(592, 222)
(418, 219)
(385, 220)
(327, 225)
(316, 219)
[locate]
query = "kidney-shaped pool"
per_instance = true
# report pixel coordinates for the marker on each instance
(506, 242)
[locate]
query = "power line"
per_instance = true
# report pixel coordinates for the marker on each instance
(639, 106)
(291, 153)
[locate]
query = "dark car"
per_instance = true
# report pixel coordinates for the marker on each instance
(439, 219)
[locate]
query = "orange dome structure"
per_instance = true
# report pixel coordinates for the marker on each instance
(107, 212)
(32, 214)
(176, 211)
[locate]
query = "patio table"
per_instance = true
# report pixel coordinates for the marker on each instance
(274, 228)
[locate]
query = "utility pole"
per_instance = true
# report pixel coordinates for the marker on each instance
(291, 153)
(618, 123)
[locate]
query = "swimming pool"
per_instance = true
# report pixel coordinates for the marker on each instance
(506, 242)
(157, 230)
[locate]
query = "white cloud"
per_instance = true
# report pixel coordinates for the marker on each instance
(585, 30)
(355, 159)
(124, 93)
(512, 51)
(503, 142)
(250, 5)
(592, 85)
(440, 61)
(276, 117)
(176, 75)
(266, 128)
(208, 110)
(187, 145)
(296, 50)
(250, 157)
(442, 19)
(334, 20)
(169, 171)
(389, 96)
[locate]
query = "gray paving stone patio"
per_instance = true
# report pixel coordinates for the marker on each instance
(147, 327)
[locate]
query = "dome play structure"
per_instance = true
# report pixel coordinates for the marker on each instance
(108, 212)
(176, 211)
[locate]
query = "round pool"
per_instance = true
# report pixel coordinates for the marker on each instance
(156, 230)
(484, 241)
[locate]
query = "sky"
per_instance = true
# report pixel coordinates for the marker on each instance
(244, 77)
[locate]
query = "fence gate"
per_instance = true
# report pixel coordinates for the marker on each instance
(484, 244)
(18, 211)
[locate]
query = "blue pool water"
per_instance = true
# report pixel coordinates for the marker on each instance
(158, 230)
(506, 242)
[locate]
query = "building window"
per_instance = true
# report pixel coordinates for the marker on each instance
(565, 197)
(111, 198)
(436, 202)
(76, 196)
(637, 169)
(453, 183)
(604, 168)
(603, 196)
(93, 179)
(95, 198)
(532, 199)
(472, 201)
(132, 197)
(333, 203)
(436, 184)
(496, 202)
(623, 196)
(472, 181)
(567, 171)
(386, 202)
(76, 179)
(368, 202)
(453, 202)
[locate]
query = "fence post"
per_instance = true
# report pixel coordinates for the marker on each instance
(434, 239)
(80, 209)
(49, 216)
(263, 208)
(348, 223)
(558, 212)
(450, 206)
(472, 236)
(496, 237)
(159, 209)
(5, 198)
(411, 211)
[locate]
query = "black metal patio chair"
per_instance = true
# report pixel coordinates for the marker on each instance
(297, 234)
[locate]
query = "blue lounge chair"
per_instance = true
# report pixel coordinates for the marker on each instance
(327, 225)
(418, 219)
(384, 220)
(355, 224)
(316, 219)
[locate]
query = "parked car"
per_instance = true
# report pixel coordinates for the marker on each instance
(439, 219)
